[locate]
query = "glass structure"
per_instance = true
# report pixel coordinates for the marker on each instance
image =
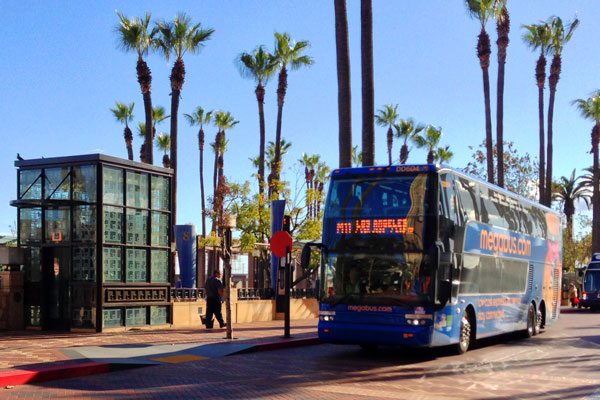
(96, 233)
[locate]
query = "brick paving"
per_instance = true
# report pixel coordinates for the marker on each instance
(38, 349)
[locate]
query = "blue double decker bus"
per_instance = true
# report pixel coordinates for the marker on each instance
(425, 255)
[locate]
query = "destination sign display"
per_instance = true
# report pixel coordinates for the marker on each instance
(377, 226)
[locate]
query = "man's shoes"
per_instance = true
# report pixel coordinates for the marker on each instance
(203, 319)
(222, 325)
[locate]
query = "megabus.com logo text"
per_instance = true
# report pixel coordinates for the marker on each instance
(504, 243)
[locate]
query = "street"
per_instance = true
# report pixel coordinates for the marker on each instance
(561, 363)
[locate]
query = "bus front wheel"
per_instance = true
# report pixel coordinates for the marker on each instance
(464, 341)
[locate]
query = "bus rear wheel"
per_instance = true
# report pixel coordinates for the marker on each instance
(464, 341)
(531, 322)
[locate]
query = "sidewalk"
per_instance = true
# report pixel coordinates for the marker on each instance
(34, 356)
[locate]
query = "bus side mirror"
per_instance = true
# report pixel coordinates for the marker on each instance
(306, 251)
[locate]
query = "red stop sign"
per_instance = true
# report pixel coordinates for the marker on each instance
(280, 242)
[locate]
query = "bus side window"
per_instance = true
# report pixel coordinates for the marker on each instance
(467, 194)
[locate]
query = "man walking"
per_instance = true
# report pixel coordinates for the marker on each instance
(214, 296)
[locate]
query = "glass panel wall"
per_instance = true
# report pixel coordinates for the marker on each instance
(112, 317)
(137, 226)
(32, 268)
(160, 193)
(137, 189)
(113, 185)
(58, 224)
(112, 264)
(136, 265)
(30, 184)
(30, 225)
(84, 263)
(84, 183)
(136, 316)
(84, 223)
(159, 315)
(57, 183)
(113, 224)
(160, 228)
(159, 266)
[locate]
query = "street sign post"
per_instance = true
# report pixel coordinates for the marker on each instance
(281, 245)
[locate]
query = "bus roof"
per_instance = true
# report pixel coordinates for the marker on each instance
(415, 168)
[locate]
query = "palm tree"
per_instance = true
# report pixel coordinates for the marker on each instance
(134, 36)
(443, 154)
(158, 116)
(502, 27)
(343, 76)
(260, 66)
(322, 175)
(406, 130)
(387, 116)
(177, 38)
(141, 129)
(200, 117)
(430, 140)
(368, 95)
(224, 121)
(309, 162)
(163, 142)
(537, 36)
(482, 10)
(569, 191)
(356, 157)
(124, 113)
(560, 35)
(287, 53)
(590, 109)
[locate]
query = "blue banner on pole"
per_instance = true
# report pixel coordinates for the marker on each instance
(277, 212)
(185, 239)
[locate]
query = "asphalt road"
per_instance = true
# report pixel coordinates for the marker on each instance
(561, 363)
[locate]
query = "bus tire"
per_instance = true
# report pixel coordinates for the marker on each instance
(538, 322)
(531, 322)
(466, 329)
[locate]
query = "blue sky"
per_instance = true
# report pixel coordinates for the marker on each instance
(62, 71)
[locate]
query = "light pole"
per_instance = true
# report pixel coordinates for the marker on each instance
(228, 223)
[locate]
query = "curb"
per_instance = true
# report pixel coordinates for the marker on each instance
(22, 377)
(55, 372)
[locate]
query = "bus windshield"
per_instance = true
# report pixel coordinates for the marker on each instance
(591, 281)
(373, 236)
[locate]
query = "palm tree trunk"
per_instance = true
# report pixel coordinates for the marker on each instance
(368, 95)
(430, 157)
(177, 78)
(201, 150)
(483, 52)
(260, 98)
(503, 27)
(128, 142)
(390, 143)
(276, 168)
(595, 189)
(553, 80)
(343, 76)
(540, 74)
(404, 154)
(145, 81)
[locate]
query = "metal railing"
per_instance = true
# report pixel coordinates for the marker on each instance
(255, 294)
(310, 293)
(193, 294)
(187, 294)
